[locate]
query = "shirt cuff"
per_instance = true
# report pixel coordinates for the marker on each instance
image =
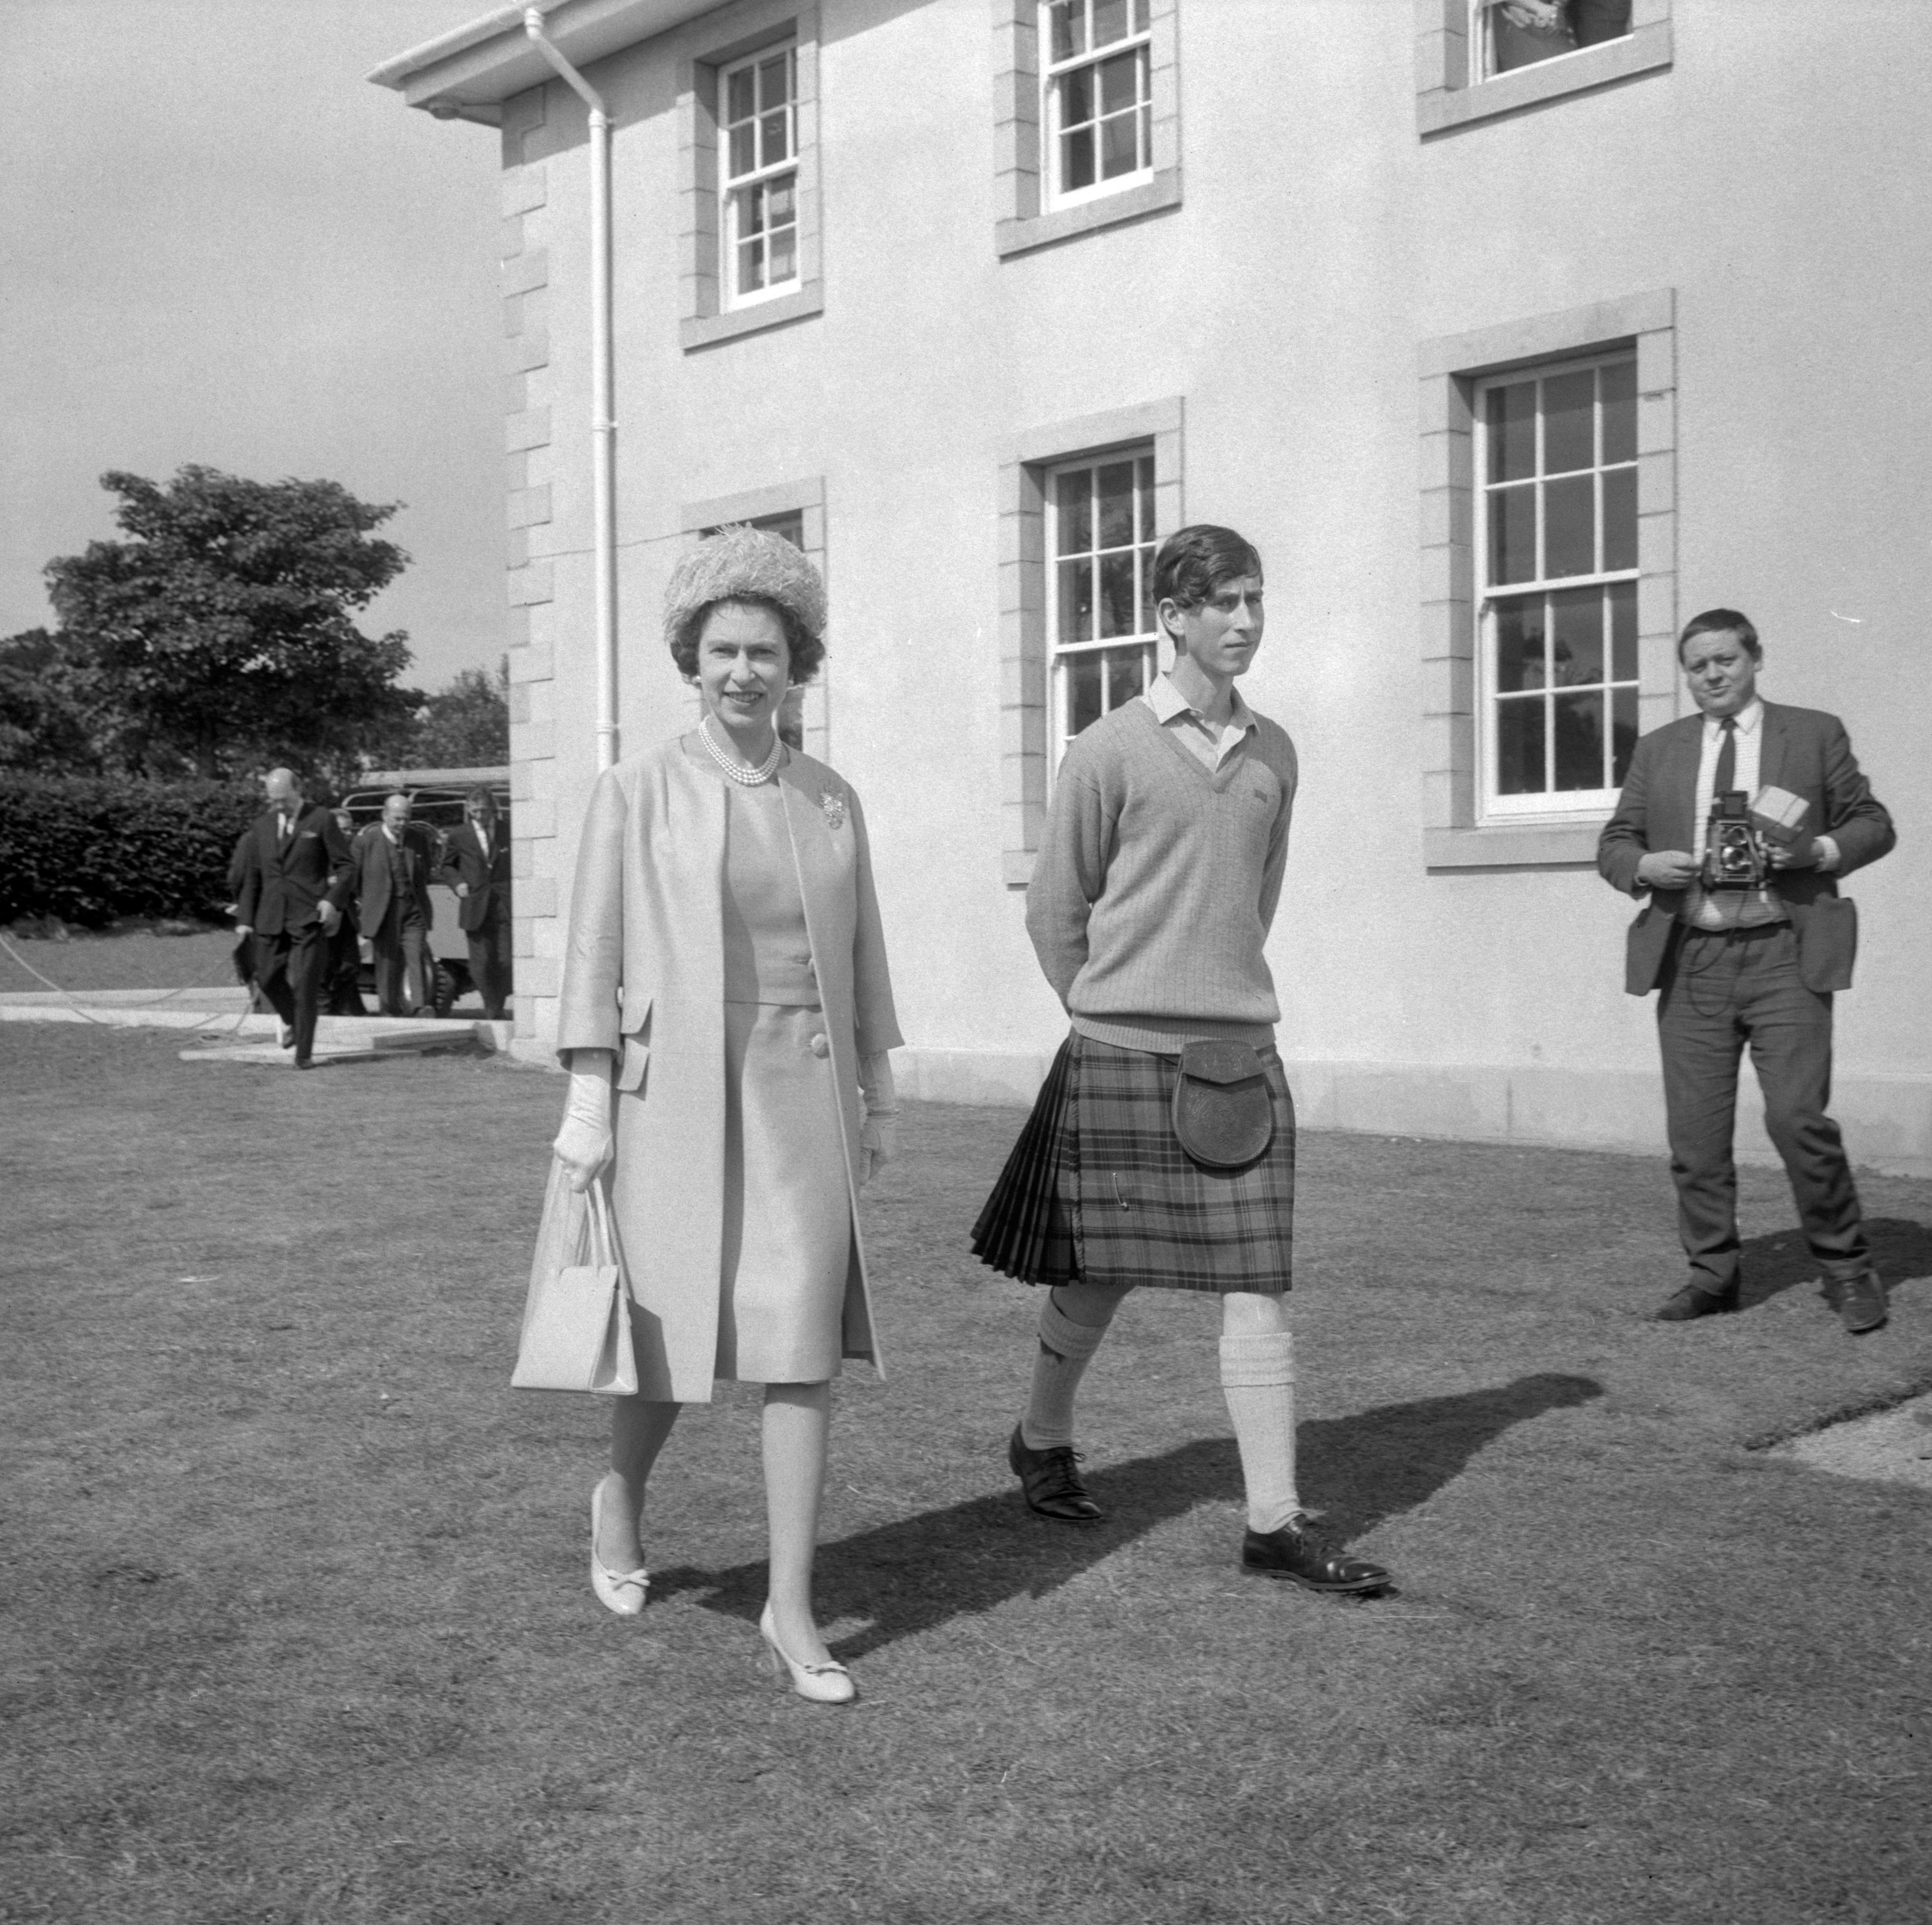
(1828, 857)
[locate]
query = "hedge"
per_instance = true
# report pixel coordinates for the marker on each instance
(90, 850)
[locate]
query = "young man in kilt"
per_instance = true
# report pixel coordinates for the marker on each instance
(1150, 901)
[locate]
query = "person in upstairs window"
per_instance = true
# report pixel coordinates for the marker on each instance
(1150, 901)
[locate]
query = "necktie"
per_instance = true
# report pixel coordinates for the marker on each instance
(282, 830)
(1727, 756)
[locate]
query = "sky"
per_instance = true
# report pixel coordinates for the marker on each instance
(220, 244)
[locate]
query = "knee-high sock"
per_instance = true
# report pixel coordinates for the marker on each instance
(1066, 1349)
(1257, 1380)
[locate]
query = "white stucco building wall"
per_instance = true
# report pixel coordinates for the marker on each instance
(1340, 235)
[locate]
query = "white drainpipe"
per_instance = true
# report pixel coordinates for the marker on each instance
(603, 427)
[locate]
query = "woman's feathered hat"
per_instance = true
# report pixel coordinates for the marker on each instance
(744, 561)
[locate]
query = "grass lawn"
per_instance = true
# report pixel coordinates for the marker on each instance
(296, 1625)
(120, 959)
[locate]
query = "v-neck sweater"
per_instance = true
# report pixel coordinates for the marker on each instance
(1157, 881)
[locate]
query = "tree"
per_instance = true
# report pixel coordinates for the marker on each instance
(45, 722)
(467, 724)
(218, 637)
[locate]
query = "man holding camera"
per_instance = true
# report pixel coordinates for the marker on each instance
(1736, 823)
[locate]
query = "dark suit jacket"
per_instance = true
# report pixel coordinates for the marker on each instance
(369, 874)
(489, 881)
(281, 888)
(1805, 751)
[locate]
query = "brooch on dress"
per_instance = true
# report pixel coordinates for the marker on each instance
(833, 804)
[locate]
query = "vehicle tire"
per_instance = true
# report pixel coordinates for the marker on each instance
(446, 992)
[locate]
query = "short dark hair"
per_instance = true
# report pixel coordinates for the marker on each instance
(1719, 621)
(482, 793)
(805, 651)
(1195, 561)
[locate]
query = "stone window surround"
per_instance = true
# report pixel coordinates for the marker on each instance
(752, 28)
(1445, 99)
(1024, 463)
(1454, 836)
(1020, 225)
(806, 500)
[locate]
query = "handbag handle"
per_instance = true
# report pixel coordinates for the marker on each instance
(603, 1243)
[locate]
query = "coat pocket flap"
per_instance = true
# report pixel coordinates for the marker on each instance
(631, 1066)
(635, 1005)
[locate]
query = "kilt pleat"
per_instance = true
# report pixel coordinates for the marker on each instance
(1023, 1229)
(1098, 1189)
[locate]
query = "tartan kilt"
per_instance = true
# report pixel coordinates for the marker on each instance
(1098, 1190)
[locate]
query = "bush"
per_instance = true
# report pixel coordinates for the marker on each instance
(90, 850)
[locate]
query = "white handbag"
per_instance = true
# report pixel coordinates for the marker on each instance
(577, 1318)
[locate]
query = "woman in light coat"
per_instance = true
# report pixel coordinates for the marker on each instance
(725, 1017)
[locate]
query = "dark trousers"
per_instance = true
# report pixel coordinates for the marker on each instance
(342, 971)
(288, 971)
(400, 944)
(490, 959)
(1721, 992)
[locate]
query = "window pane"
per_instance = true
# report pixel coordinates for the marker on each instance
(1520, 746)
(1076, 601)
(751, 269)
(1512, 431)
(750, 210)
(1146, 471)
(1623, 632)
(1117, 594)
(1110, 21)
(779, 211)
(744, 149)
(1623, 733)
(1126, 675)
(774, 141)
(1120, 83)
(1620, 518)
(1619, 394)
(1579, 742)
(1115, 487)
(1576, 637)
(1140, 16)
(1083, 690)
(790, 525)
(1076, 162)
(1569, 526)
(1568, 442)
(1074, 521)
(1119, 154)
(783, 265)
(1519, 644)
(739, 103)
(775, 81)
(1076, 97)
(1513, 535)
(1149, 619)
(1069, 27)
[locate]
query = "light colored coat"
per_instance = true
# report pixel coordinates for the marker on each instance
(643, 976)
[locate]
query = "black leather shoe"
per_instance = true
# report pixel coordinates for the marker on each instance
(1691, 1302)
(1293, 1553)
(1051, 1483)
(1862, 1302)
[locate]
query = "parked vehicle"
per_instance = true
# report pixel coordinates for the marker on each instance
(436, 801)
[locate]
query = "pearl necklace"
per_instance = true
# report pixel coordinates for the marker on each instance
(740, 772)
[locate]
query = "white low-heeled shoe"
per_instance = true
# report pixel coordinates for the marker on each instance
(623, 1592)
(823, 1684)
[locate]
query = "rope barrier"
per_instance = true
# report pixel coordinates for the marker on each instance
(167, 996)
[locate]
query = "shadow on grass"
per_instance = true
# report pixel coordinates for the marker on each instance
(1901, 1252)
(912, 1576)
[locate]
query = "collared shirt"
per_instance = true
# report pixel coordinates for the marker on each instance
(1192, 729)
(482, 829)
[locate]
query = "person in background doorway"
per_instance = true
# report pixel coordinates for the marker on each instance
(476, 868)
(342, 986)
(1752, 960)
(1156, 883)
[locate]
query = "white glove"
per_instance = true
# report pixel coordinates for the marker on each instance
(879, 1136)
(583, 1145)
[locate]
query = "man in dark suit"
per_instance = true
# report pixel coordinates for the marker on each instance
(285, 869)
(391, 861)
(476, 866)
(1755, 963)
